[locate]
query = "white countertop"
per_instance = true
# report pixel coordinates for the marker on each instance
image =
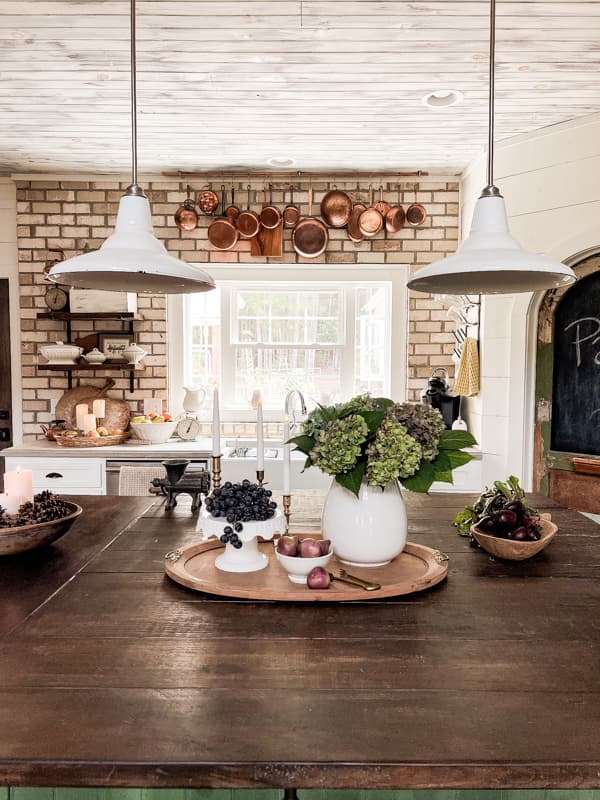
(131, 449)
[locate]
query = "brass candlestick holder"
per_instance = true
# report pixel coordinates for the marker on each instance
(260, 476)
(216, 472)
(287, 510)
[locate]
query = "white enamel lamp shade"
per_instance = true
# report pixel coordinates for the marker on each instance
(490, 261)
(132, 259)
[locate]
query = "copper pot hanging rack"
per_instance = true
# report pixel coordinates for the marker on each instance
(297, 175)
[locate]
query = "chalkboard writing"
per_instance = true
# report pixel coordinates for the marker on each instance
(576, 380)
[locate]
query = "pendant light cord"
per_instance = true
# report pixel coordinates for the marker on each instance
(134, 189)
(490, 165)
(490, 190)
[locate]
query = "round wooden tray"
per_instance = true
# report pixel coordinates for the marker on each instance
(416, 568)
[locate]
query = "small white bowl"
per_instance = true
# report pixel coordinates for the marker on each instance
(298, 568)
(153, 432)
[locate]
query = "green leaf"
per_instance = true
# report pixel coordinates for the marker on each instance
(445, 476)
(422, 480)
(456, 440)
(373, 419)
(328, 412)
(384, 402)
(352, 480)
(457, 458)
(303, 443)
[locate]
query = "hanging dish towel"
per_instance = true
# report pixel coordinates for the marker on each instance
(467, 379)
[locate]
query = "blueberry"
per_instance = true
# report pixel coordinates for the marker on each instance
(238, 527)
(234, 538)
(231, 516)
(237, 544)
(228, 529)
(272, 504)
(224, 538)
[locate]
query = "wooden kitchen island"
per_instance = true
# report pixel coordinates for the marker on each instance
(111, 675)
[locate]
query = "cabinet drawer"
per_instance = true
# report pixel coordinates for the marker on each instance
(66, 475)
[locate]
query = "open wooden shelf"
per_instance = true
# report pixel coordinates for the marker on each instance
(68, 315)
(111, 367)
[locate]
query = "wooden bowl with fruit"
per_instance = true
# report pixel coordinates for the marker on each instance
(505, 525)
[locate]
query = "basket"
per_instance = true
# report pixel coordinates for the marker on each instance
(87, 441)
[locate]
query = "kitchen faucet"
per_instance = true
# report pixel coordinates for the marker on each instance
(289, 407)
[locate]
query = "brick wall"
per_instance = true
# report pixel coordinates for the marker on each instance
(70, 214)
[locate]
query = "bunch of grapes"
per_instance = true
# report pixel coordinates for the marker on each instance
(238, 503)
(46, 507)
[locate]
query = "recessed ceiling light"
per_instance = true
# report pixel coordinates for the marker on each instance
(442, 98)
(281, 161)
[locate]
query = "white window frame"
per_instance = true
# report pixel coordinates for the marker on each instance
(395, 274)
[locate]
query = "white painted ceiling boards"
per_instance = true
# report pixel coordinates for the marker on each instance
(332, 85)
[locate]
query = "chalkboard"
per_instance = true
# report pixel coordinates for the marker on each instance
(576, 379)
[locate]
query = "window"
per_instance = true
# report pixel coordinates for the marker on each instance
(326, 333)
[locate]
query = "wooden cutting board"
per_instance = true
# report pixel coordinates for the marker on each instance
(117, 411)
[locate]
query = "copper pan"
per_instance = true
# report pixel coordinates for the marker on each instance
(395, 217)
(336, 208)
(291, 213)
(310, 236)
(415, 215)
(186, 216)
(370, 221)
(270, 216)
(232, 212)
(381, 205)
(248, 223)
(222, 233)
(354, 233)
(207, 202)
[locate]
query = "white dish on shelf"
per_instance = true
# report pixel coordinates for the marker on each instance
(95, 356)
(298, 568)
(61, 353)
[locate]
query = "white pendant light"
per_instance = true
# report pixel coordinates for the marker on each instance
(132, 259)
(490, 261)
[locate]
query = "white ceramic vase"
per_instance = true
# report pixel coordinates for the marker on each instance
(368, 530)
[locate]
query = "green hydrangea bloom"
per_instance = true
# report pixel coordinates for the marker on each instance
(338, 444)
(362, 402)
(423, 422)
(393, 454)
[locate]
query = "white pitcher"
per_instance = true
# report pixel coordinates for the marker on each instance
(193, 399)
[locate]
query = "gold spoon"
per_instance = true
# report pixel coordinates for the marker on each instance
(352, 580)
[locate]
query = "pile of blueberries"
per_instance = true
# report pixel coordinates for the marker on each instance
(239, 503)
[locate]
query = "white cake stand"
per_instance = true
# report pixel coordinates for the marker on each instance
(248, 558)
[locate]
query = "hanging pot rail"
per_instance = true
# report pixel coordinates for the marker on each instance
(298, 175)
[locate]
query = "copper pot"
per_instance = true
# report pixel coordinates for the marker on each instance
(291, 213)
(270, 216)
(395, 217)
(381, 205)
(336, 208)
(310, 236)
(207, 202)
(232, 212)
(53, 428)
(370, 221)
(248, 223)
(186, 216)
(354, 233)
(222, 233)
(415, 215)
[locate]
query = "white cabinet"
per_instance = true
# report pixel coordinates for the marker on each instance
(64, 475)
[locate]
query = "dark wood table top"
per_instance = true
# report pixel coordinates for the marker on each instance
(112, 675)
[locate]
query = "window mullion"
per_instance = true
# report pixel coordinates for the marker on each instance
(348, 351)
(227, 349)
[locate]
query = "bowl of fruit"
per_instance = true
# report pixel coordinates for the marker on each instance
(505, 525)
(304, 559)
(153, 428)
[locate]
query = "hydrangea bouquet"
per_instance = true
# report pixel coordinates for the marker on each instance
(382, 441)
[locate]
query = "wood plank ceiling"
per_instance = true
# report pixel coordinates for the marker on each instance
(331, 85)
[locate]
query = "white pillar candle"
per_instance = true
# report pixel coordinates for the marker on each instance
(216, 424)
(260, 438)
(80, 411)
(99, 408)
(89, 423)
(287, 466)
(19, 484)
(10, 503)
